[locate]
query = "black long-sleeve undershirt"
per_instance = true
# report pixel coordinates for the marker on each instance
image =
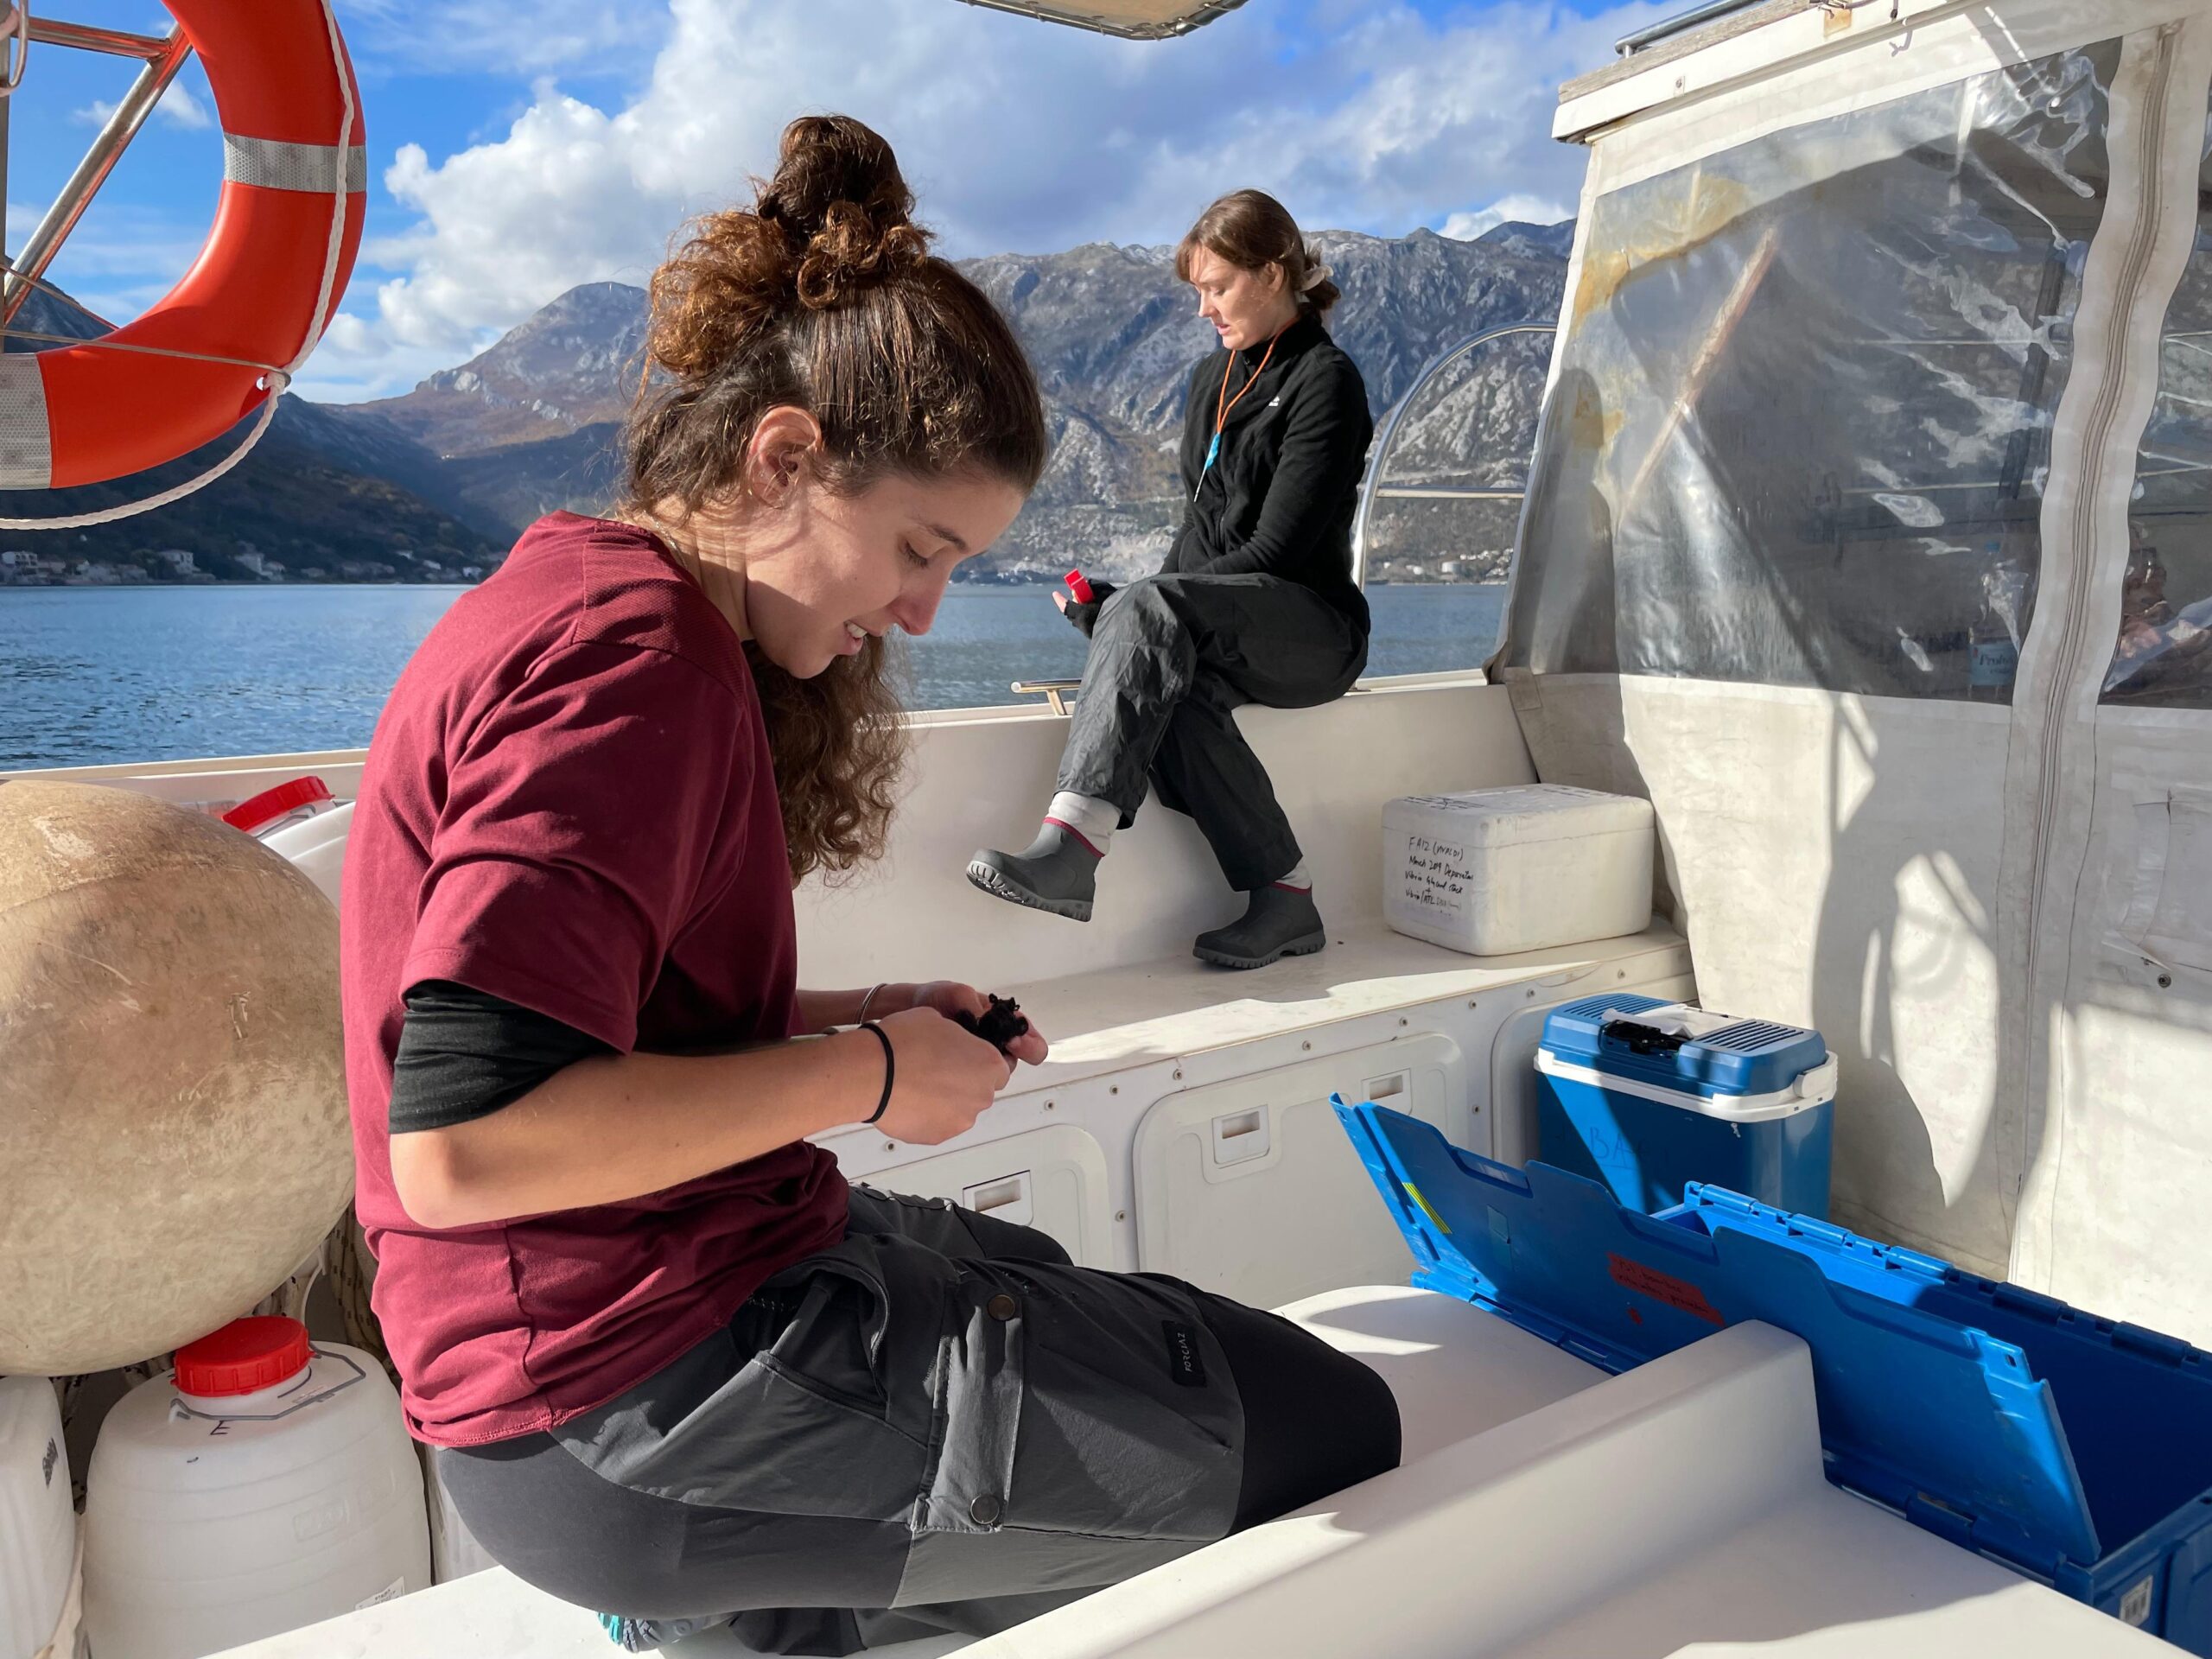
(464, 1054)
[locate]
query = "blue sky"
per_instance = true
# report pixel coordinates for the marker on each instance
(518, 149)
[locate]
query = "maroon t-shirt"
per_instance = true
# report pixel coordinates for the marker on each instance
(568, 803)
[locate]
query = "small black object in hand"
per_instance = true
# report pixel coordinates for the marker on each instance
(1005, 1022)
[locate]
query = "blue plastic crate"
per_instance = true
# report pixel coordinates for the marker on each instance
(2073, 1449)
(1648, 1096)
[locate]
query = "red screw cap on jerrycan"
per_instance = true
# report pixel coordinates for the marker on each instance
(243, 1357)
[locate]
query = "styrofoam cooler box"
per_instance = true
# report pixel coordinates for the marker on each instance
(1649, 1096)
(1495, 871)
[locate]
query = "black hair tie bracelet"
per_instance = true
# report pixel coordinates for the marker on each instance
(890, 1068)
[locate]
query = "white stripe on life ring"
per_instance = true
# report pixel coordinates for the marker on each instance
(276, 165)
(26, 436)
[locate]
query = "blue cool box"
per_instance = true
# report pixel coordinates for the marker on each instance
(1648, 1096)
(2074, 1450)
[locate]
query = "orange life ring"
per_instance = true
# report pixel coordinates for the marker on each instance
(79, 414)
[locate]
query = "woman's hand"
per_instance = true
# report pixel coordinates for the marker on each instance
(1083, 612)
(656, 1121)
(946, 1077)
(949, 997)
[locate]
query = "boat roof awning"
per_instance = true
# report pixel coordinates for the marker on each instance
(1133, 20)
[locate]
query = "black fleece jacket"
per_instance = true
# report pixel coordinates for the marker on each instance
(1279, 497)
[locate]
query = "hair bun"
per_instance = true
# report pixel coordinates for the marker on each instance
(844, 208)
(836, 220)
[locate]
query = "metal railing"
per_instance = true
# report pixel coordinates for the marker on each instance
(1053, 691)
(162, 57)
(1373, 489)
(85, 37)
(1056, 692)
(1680, 22)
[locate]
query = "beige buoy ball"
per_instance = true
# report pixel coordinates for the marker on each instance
(172, 1130)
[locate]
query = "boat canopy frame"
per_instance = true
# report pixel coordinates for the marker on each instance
(1127, 20)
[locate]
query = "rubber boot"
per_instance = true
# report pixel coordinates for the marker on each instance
(652, 1635)
(1057, 872)
(1278, 922)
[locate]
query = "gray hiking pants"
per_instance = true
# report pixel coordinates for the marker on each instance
(936, 1425)
(1172, 658)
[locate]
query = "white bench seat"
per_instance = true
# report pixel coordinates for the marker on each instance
(1116, 1017)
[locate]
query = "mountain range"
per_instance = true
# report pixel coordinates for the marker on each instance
(449, 473)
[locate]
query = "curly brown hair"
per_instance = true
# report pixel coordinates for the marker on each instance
(823, 296)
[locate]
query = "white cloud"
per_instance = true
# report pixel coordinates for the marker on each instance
(354, 362)
(1518, 208)
(179, 107)
(504, 227)
(1016, 135)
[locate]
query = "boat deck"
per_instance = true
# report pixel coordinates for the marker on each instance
(1544, 1510)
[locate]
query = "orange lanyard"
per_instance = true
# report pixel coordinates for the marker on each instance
(1225, 405)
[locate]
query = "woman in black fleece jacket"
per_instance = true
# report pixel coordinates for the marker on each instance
(1255, 603)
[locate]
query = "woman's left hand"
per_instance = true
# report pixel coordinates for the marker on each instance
(950, 996)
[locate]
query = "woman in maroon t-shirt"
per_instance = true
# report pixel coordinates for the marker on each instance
(675, 1368)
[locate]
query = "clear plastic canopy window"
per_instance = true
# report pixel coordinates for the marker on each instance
(1799, 432)
(2164, 655)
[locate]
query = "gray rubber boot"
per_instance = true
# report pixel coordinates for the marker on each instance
(652, 1635)
(1057, 872)
(1278, 922)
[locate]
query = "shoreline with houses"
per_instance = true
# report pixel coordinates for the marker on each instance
(181, 567)
(177, 567)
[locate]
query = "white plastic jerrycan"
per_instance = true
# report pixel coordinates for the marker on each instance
(267, 1484)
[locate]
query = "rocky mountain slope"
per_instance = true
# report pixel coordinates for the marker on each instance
(529, 424)
(449, 472)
